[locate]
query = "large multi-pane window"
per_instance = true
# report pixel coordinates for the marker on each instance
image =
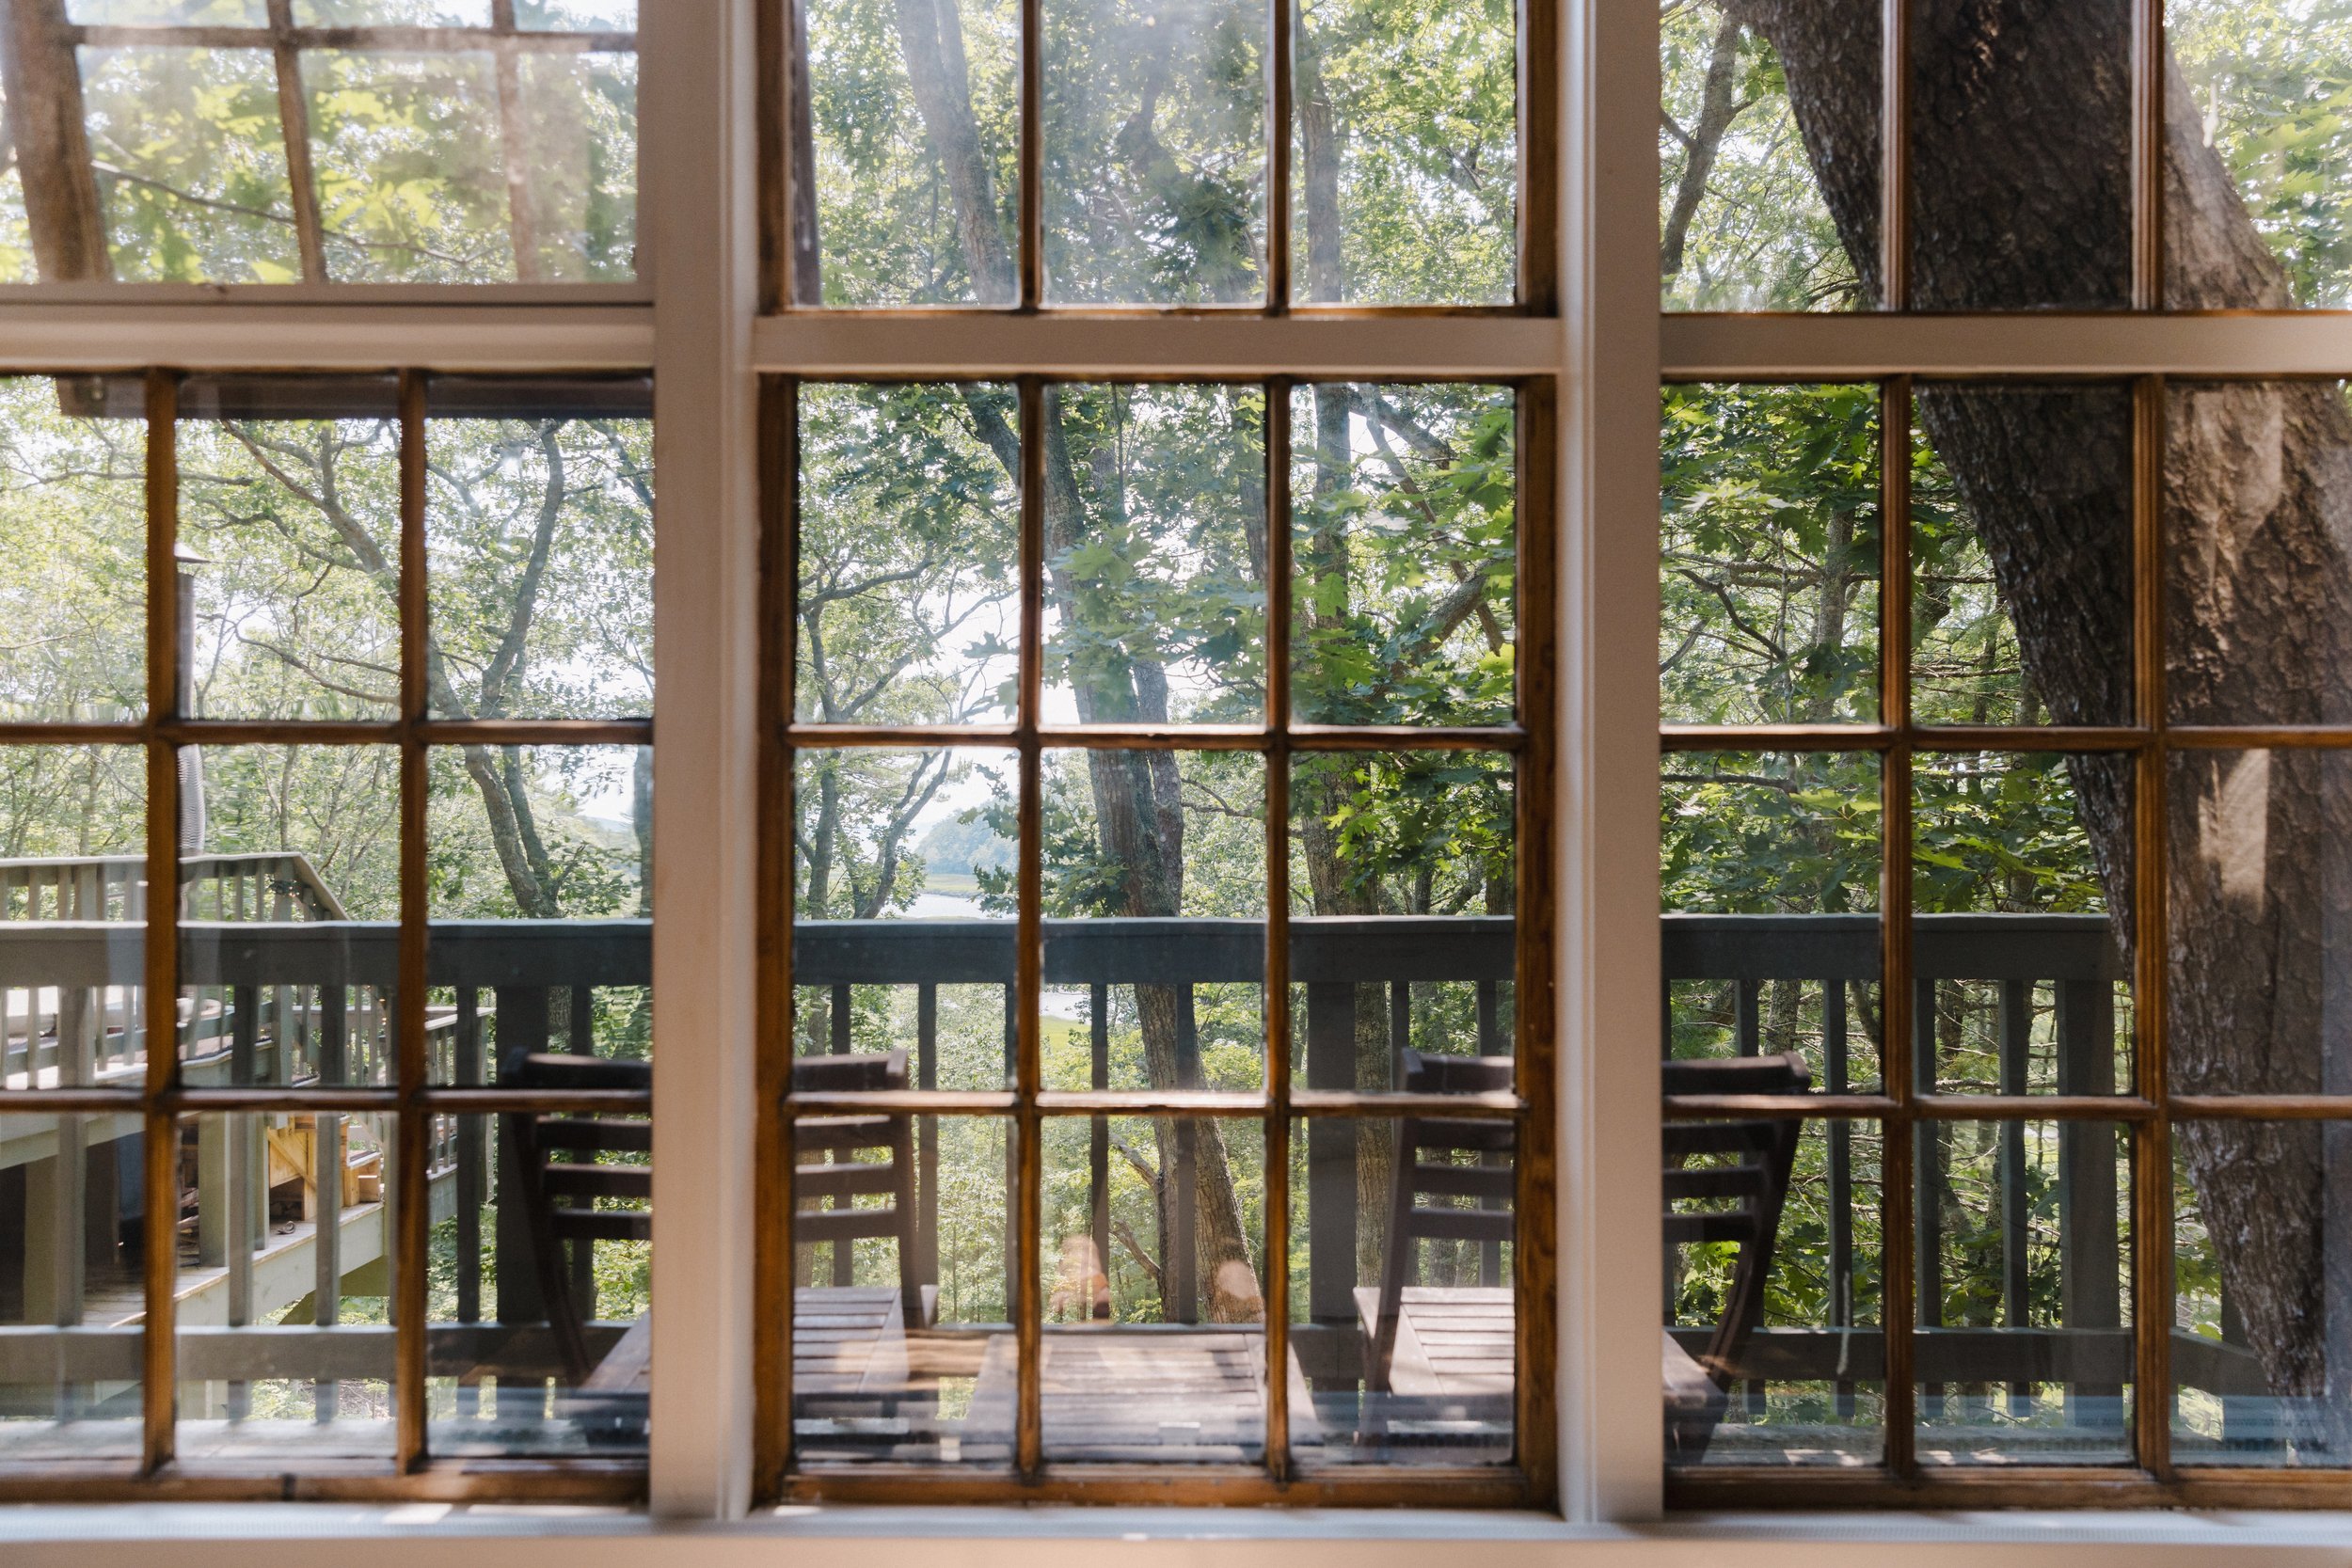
(361, 667)
(1157, 1045)
(2000, 768)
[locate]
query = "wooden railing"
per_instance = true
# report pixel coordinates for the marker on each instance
(500, 988)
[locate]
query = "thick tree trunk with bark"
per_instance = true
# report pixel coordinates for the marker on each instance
(2021, 166)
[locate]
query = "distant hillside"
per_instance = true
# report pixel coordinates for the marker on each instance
(955, 849)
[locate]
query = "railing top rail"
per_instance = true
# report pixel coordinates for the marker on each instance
(1824, 947)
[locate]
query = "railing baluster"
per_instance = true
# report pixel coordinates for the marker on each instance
(1928, 1176)
(1331, 1158)
(2090, 1293)
(1836, 1063)
(472, 1170)
(1182, 1303)
(844, 1252)
(1748, 1027)
(2016, 1042)
(1490, 1043)
(927, 1133)
(1099, 1133)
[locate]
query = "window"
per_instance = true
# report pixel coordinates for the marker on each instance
(1987, 790)
(316, 141)
(1156, 1054)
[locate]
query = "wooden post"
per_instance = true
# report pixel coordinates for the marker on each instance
(1331, 1158)
(2090, 1291)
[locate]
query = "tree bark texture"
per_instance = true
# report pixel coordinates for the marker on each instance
(2021, 178)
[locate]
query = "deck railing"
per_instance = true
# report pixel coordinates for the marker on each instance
(506, 987)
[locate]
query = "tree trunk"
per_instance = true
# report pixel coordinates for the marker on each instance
(2011, 211)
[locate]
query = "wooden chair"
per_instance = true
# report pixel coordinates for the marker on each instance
(1425, 1167)
(1743, 1187)
(826, 1166)
(559, 1187)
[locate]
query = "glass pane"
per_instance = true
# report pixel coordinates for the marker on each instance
(1404, 1337)
(191, 161)
(1156, 578)
(72, 1207)
(539, 867)
(2021, 539)
(17, 261)
(2258, 1218)
(903, 1348)
(2020, 864)
(911, 115)
(2258, 593)
(1769, 569)
(293, 1229)
(289, 547)
(72, 516)
(2024, 1244)
(1154, 883)
(1155, 155)
(909, 554)
(539, 549)
(1774, 1269)
(1155, 1331)
(554, 16)
(539, 1332)
(411, 14)
(2258, 159)
(903, 912)
(574, 126)
(1405, 153)
(1402, 892)
(211, 13)
(73, 832)
(2020, 154)
(1404, 555)
(1768, 168)
(1770, 884)
(287, 838)
(2257, 1001)
(413, 178)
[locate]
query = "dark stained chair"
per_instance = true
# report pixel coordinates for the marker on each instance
(1734, 1192)
(833, 1161)
(1427, 1167)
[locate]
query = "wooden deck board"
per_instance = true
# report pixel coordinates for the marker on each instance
(1142, 1395)
(1452, 1341)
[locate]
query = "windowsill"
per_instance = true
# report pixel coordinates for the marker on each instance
(263, 1535)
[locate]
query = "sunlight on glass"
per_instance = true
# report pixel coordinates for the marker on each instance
(407, 13)
(1155, 155)
(179, 13)
(1743, 225)
(911, 116)
(191, 164)
(1405, 153)
(2268, 122)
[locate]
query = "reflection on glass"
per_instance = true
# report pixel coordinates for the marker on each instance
(1404, 554)
(74, 824)
(191, 164)
(217, 13)
(287, 838)
(2257, 997)
(910, 117)
(1402, 892)
(903, 910)
(411, 14)
(909, 602)
(1773, 1352)
(1155, 155)
(539, 869)
(1768, 873)
(2258, 588)
(2020, 152)
(72, 505)
(2024, 1227)
(289, 548)
(72, 1213)
(1769, 569)
(575, 15)
(1154, 902)
(2257, 153)
(539, 549)
(1406, 154)
(1154, 1341)
(1404, 1324)
(1155, 579)
(539, 1330)
(293, 1229)
(2020, 538)
(902, 1345)
(1761, 207)
(411, 187)
(2258, 1356)
(2017, 863)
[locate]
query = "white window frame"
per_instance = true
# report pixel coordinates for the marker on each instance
(694, 319)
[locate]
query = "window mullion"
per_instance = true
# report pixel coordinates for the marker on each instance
(162, 967)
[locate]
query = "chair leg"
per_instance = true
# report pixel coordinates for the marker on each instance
(547, 1251)
(1396, 1260)
(902, 1196)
